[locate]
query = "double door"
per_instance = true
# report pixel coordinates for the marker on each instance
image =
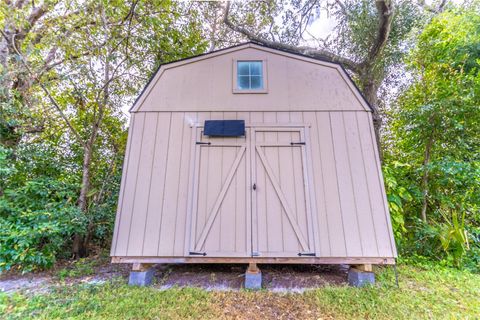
(251, 196)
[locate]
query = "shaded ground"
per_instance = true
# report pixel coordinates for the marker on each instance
(216, 277)
(95, 269)
(266, 305)
(225, 277)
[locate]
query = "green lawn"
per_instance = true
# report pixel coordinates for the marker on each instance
(431, 293)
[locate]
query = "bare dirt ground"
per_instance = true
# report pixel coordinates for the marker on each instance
(230, 277)
(216, 277)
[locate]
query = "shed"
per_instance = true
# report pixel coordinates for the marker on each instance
(296, 179)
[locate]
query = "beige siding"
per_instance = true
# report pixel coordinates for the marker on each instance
(157, 185)
(126, 213)
(294, 83)
(346, 194)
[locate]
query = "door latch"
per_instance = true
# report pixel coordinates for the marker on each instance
(254, 187)
(306, 254)
(197, 253)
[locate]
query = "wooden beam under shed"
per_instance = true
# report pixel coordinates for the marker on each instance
(259, 260)
(137, 266)
(363, 267)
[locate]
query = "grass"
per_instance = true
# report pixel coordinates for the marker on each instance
(109, 301)
(82, 267)
(425, 293)
(78, 268)
(433, 293)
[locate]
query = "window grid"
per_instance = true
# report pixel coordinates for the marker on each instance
(253, 80)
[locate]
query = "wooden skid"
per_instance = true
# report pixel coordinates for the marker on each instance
(259, 260)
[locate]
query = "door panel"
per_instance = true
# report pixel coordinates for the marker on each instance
(280, 202)
(220, 214)
(250, 195)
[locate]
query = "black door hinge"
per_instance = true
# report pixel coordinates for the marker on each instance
(308, 254)
(297, 143)
(197, 253)
(198, 142)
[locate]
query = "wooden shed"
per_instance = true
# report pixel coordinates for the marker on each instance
(295, 179)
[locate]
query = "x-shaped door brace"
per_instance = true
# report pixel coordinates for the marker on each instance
(282, 198)
(218, 202)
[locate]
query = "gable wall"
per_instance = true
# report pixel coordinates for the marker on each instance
(294, 83)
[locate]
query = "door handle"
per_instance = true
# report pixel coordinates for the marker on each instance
(254, 186)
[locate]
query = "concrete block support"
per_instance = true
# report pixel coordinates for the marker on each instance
(141, 275)
(253, 277)
(359, 278)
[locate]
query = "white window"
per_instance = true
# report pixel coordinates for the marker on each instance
(249, 76)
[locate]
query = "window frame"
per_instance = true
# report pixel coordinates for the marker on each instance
(235, 88)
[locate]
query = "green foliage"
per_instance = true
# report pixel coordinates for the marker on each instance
(6, 167)
(453, 236)
(35, 220)
(397, 197)
(79, 268)
(471, 260)
(435, 130)
(92, 75)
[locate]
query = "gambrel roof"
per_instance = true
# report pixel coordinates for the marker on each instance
(296, 82)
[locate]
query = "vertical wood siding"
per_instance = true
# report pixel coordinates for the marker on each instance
(347, 196)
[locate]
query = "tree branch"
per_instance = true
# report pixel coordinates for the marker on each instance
(342, 6)
(385, 15)
(18, 4)
(312, 52)
(34, 16)
(47, 92)
(431, 8)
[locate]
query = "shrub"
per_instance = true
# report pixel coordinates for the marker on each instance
(37, 221)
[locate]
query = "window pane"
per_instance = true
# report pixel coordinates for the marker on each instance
(243, 82)
(256, 68)
(256, 82)
(249, 75)
(243, 68)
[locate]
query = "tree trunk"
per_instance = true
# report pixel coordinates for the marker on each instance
(370, 89)
(79, 248)
(80, 242)
(426, 161)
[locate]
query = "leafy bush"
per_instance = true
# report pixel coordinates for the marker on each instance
(472, 257)
(453, 237)
(397, 196)
(37, 221)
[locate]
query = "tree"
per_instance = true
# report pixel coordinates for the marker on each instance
(368, 50)
(101, 63)
(436, 123)
(42, 30)
(101, 82)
